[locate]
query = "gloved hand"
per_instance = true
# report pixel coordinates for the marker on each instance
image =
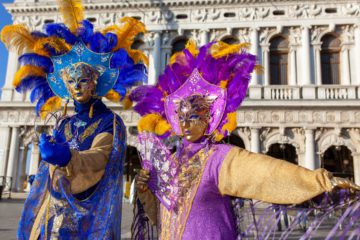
(56, 150)
(141, 180)
(343, 183)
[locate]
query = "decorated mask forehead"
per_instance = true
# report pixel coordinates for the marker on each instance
(80, 71)
(195, 104)
(196, 93)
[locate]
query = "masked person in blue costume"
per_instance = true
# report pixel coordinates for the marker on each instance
(77, 192)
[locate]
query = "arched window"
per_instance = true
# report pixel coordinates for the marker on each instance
(339, 161)
(330, 59)
(235, 140)
(279, 61)
(283, 151)
(230, 40)
(178, 45)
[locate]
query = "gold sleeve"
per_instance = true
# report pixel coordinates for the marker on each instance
(257, 176)
(87, 167)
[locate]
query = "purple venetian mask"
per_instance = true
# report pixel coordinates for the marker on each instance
(196, 85)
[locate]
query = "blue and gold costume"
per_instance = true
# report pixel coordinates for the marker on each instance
(77, 192)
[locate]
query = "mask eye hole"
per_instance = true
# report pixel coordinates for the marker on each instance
(71, 81)
(84, 80)
(194, 117)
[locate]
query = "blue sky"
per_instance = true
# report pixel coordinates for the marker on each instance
(5, 20)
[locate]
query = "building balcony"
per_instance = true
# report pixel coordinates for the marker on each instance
(311, 92)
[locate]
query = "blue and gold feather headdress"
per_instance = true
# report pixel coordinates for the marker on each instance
(44, 54)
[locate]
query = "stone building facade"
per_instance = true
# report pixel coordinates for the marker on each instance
(304, 107)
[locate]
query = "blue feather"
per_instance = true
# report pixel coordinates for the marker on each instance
(38, 91)
(36, 60)
(37, 34)
(132, 75)
(29, 83)
(98, 43)
(61, 31)
(121, 59)
(112, 41)
(42, 101)
(85, 31)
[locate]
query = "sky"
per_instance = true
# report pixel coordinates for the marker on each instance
(5, 19)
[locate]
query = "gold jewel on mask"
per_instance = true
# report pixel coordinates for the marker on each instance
(194, 116)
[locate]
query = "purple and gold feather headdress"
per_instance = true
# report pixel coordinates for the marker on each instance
(216, 69)
(42, 55)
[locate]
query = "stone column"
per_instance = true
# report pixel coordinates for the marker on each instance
(254, 50)
(204, 36)
(306, 74)
(357, 55)
(4, 149)
(12, 67)
(292, 72)
(345, 65)
(34, 159)
(154, 59)
(13, 155)
(21, 174)
(266, 64)
(356, 162)
(317, 53)
(310, 158)
(255, 139)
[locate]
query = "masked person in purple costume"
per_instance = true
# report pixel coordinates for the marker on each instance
(197, 98)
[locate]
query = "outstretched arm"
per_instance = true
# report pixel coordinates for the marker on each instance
(257, 176)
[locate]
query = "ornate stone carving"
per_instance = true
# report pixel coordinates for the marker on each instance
(200, 15)
(254, 13)
(107, 18)
(304, 10)
(351, 9)
(214, 13)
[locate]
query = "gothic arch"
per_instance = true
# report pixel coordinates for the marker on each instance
(244, 137)
(333, 138)
(275, 137)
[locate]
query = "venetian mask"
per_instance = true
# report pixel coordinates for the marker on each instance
(194, 116)
(80, 80)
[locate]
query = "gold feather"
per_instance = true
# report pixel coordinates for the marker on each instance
(72, 12)
(17, 38)
(162, 127)
(25, 71)
(58, 44)
(127, 103)
(192, 47)
(113, 96)
(230, 125)
(222, 49)
(148, 122)
(138, 56)
(127, 32)
(52, 104)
